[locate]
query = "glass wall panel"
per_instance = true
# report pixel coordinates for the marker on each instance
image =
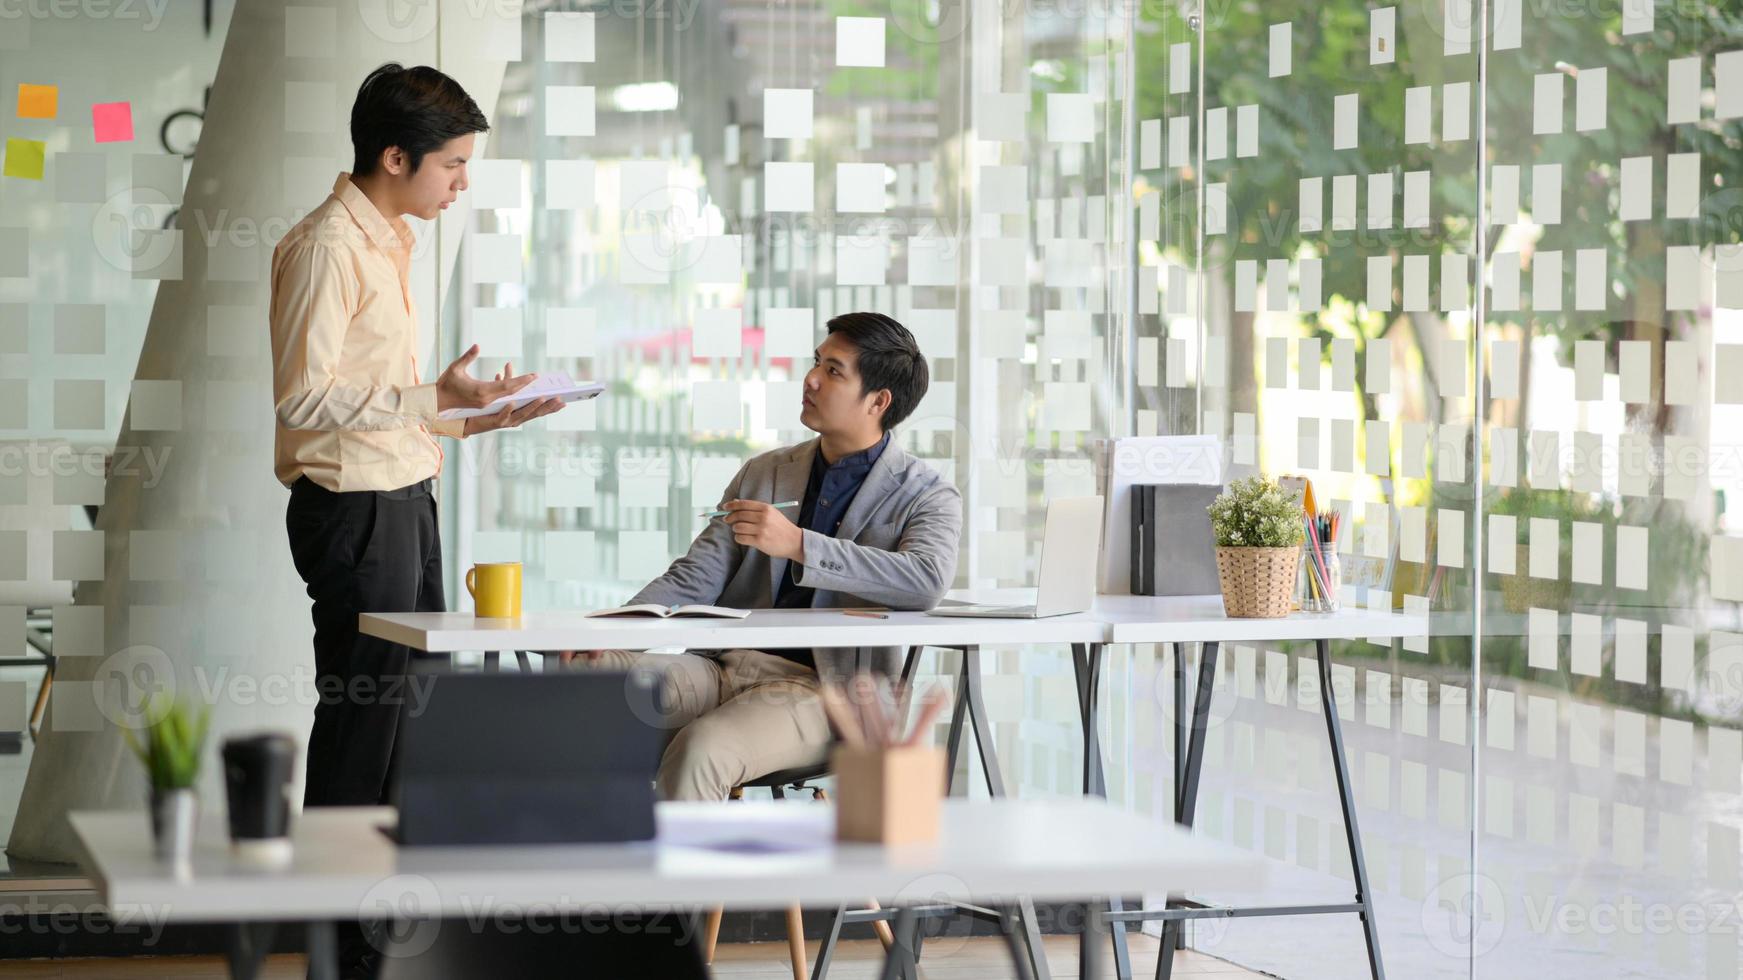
(1337, 155)
(101, 111)
(1611, 664)
(677, 206)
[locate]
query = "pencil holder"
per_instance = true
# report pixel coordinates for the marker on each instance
(888, 795)
(1321, 578)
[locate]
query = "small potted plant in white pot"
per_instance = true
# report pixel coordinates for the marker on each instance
(174, 738)
(1258, 528)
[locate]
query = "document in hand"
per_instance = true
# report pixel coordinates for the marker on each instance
(550, 384)
(650, 609)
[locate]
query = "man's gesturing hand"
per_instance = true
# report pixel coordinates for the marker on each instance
(762, 526)
(458, 389)
(509, 418)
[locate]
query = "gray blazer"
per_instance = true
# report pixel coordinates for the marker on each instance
(895, 547)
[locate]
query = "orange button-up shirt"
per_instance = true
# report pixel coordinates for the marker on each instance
(351, 413)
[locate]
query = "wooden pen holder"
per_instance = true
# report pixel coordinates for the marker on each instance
(889, 795)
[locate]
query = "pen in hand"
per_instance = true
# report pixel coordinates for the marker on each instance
(722, 513)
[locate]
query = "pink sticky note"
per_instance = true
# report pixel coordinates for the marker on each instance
(113, 121)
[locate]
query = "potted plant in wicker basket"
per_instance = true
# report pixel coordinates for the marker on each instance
(1258, 528)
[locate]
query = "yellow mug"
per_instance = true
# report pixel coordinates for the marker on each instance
(495, 588)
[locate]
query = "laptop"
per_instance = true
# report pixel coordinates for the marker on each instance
(561, 758)
(1070, 556)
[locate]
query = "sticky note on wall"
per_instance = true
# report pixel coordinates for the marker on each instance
(112, 122)
(24, 159)
(38, 101)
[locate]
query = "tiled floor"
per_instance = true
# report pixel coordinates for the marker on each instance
(968, 959)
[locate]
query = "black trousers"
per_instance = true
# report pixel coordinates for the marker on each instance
(362, 551)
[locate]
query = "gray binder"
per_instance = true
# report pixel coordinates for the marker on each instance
(1176, 549)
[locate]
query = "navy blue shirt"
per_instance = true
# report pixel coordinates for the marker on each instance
(828, 494)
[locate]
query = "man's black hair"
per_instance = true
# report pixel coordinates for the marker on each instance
(888, 358)
(416, 109)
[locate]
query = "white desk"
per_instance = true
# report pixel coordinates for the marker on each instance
(764, 629)
(1113, 619)
(1200, 619)
(991, 853)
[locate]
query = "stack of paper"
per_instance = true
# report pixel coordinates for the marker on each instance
(553, 384)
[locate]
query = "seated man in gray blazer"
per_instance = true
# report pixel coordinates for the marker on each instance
(875, 527)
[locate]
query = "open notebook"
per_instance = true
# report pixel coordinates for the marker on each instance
(666, 612)
(548, 384)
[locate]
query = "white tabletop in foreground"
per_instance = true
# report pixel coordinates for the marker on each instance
(753, 854)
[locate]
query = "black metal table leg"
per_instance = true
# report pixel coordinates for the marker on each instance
(971, 708)
(1086, 660)
(899, 960)
(249, 942)
(1092, 936)
(983, 729)
(1182, 729)
(1346, 799)
(1019, 958)
(323, 947)
(1187, 805)
(1190, 742)
(826, 949)
(1186, 793)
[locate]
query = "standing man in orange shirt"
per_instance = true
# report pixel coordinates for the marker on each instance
(356, 430)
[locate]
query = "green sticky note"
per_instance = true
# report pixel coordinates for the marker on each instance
(24, 158)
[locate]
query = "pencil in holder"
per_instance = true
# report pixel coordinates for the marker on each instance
(888, 794)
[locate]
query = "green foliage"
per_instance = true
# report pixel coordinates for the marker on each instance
(175, 737)
(1256, 513)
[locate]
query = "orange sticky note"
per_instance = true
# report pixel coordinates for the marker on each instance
(24, 159)
(38, 101)
(112, 122)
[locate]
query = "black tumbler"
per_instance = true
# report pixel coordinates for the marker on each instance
(257, 779)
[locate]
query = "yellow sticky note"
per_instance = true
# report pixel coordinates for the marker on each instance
(24, 158)
(38, 101)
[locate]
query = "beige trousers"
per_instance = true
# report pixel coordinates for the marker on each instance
(729, 719)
